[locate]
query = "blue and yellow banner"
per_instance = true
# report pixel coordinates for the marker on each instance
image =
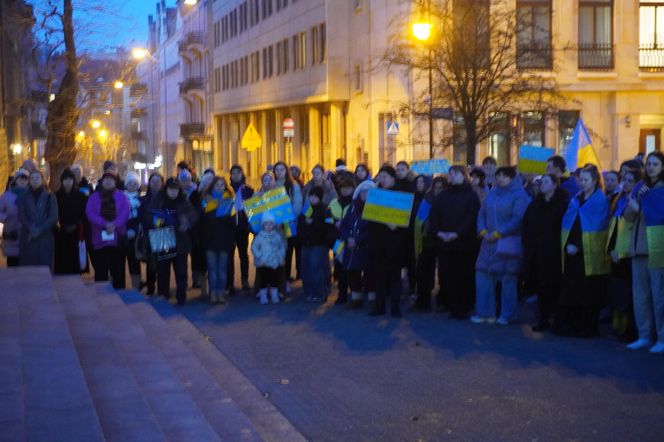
(276, 201)
(388, 207)
(652, 203)
(621, 227)
(430, 167)
(594, 217)
(532, 159)
(579, 150)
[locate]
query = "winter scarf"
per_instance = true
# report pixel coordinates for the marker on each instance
(134, 203)
(107, 205)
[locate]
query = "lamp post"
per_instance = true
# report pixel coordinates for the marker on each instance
(422, 32)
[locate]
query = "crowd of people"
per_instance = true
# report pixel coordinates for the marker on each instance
(585, 246)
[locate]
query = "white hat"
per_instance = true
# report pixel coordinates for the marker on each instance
(364, 185)
(132, 176)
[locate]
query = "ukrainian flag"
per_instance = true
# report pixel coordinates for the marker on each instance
(276, 201)
(652, 203)
(622, 228)
(388, 206)
(580, 151)
(594, 218)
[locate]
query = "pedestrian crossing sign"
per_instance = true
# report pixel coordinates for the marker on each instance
(251, 140)
(392, 128)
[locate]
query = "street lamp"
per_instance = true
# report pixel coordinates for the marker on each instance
(422, 31)
(139, 53)
(96, 124)
(118, 85)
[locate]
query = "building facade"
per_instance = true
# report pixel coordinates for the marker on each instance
(316, 62)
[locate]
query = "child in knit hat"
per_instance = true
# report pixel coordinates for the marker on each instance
(269, 250)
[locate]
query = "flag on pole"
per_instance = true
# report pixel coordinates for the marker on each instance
(580, 151)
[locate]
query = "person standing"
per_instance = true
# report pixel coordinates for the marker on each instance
(586, 263)
(320, 180)
(9, 216)
(38, 215)
(387, 243)
(294, 191)
(269, 251)
(132, 192)
(313, 231)
(541, 243)
(362, 173)
(453, 223)
(556, 165)
(337, 210)
(217, 229)
(71, 213)
(645, 208)
(155, 185)
(171, 208)
(108, 212)
(241, 242)
(501, 254)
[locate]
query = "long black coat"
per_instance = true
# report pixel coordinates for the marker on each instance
(455, 210)
(217, 232)
(71, 212)
(38, 214)
(541, 239)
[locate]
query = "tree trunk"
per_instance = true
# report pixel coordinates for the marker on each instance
(62, 111)
(471, 144)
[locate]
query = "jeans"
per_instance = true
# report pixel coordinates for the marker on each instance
(648, 289)
(485, 303)
(217, 267)
(314, 260)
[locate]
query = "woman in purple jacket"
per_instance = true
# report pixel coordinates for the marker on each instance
(108, 213)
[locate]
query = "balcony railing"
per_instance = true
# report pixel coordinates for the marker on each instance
(534, 56)
(596, 57)
(191, 38)
(651, 58)
(138, 113)
(191, 84)
(138, 89)
(192, 129)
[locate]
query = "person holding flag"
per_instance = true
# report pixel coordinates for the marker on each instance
(241, 243)
(645, 208)
(580, 152)
(586, 262)
(217, 228)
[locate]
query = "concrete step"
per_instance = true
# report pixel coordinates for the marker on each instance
(270, 423)
(123, 411)
(56, 400)
(177, 414)
(224, 415)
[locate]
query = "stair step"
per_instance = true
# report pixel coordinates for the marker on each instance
(177, 414)
(226, 418)
(271, 424)
(123, 411)
(57, 401)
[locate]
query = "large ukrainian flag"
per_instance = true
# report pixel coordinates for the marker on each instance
(276, 201)
(652, 203)
(580, 151)
(594, 218)
(621, 227)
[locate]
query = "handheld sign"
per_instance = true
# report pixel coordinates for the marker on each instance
(430, 167)
(276, 201)
(532, 159)
(388, 206)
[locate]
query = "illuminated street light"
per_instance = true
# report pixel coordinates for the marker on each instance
(107, 112)
(96, 124)
(118, 84)
(190, 2)
(16, 148)
(80, 135)
(103, 134)
(422, 30)
(139, 53)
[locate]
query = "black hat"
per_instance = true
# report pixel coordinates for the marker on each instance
(67, 173)
(237, 167)
(172, 183)
(340, 162)
(389, 170)
(110, 165)
(318, 191)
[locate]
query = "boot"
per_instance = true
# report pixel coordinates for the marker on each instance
(262, 296)
(204, 285)
(136, 282)
(221, 299)
(274, 294)
(355, 300)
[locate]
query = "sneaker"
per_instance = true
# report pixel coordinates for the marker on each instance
(657, 348)
(262, 296)
(480, 320)
(639, 344)
(502, 321)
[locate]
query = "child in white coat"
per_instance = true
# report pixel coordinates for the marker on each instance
(269, 250)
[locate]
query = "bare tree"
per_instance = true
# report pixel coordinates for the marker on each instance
(475, 66)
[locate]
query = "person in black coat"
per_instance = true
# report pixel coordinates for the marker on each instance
(387, 243)
(217, 228)
(241, 243)
(453, 222)
(155, 185)
(541, 240)
(314, 235)
(171, 208)
(71, 213)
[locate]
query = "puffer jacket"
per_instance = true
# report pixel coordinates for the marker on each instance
(502, 212)
(11, 224)
(269, 249)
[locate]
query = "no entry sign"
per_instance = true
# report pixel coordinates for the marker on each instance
(289, 127)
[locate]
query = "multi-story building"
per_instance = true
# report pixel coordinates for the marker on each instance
(316, 62)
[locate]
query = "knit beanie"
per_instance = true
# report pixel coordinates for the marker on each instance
(132, 176)
(267, 218)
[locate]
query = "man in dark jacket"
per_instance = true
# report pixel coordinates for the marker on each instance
(313, 232)
(242, 192)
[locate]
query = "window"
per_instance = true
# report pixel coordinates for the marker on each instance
(472, 33)
(254, 12)
(243, 17)
(323, 42)
(217, 34)
(533, 128)
(533, 47)
(279, 50)
(314, 45)
(267, 8)
(233, 19)
(264, 63)
(255, 67)
(651, 35)
(357, 78)
(270, 61)
(303, 49)
(217, 80)
(296, 52)
(596, 34)
(281, 4)
(284, 64)
(499, 137)
(566, 123)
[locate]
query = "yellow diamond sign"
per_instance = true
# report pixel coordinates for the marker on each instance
(251, 140)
